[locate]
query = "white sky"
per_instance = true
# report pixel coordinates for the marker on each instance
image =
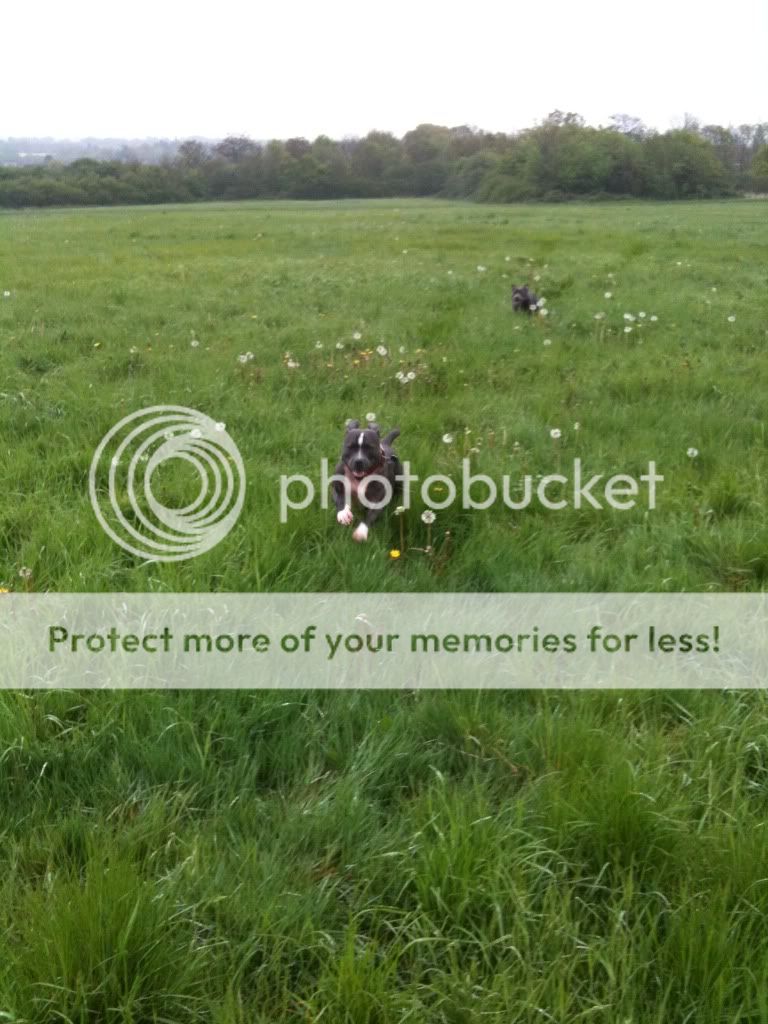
(173, 69)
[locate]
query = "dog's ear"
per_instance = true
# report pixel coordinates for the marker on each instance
(353, 424)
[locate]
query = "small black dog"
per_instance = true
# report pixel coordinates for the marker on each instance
(523, 300)
(364, 454)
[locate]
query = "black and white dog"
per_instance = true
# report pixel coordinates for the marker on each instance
(523, 300)
(365, 454)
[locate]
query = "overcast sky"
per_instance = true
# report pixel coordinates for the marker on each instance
(173, 69)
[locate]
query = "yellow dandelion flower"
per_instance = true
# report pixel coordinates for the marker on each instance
(394, 553)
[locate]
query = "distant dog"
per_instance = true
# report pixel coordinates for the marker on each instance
(523, 300)
(364, 454)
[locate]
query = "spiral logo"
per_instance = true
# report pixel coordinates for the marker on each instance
(134, 451)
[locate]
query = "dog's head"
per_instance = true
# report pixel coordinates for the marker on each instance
(524, 299)
(362, 452)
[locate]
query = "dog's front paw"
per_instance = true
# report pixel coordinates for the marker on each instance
(361, 533)
(345, 517)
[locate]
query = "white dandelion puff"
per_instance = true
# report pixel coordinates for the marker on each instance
(555, 433)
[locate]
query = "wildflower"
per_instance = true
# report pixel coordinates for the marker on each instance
(402, 350)
(194, 343)
(543, 312)
(577, 426)
(507, 259)
(411, 375)
(405, 252)
(371, 417)
(4, 590)
(608, 295)
(537, 277)
(641, 315)
(428, 517)
(357, 336)
(474, 451)
(692, 453)
(394, 553)
(627, 330)
(481, 269)
(731, 319)
(339, 345)
(6, 294)
(133, 350)
(450, 273)
(547, 341)
(381, 349)
(399, 375)
(714, 289)
(97, 344)
(542, 300)
(318, 344)
(292, 364)
(555, 433)
(25, 572)
(630, 317)
(448, 438)
(399, 510)
(654, 319)
(599, 316)
(242, 358)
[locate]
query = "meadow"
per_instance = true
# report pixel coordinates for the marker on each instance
(113, 310)
(190, 857)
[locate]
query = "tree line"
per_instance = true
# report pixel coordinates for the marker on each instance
(559, 159)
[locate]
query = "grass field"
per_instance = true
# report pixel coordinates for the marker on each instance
(381, 858)
(104, 306)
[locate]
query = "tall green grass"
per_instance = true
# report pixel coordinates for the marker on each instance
(379, 858)
(104, 306)
(376, 857)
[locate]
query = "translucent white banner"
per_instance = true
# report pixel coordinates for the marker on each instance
(383, 640)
